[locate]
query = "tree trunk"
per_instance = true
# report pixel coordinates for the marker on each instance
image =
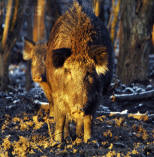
(39, 21)
(102, 9)
(29, 15)
(113, 21)
(13, 22)
(4, 64)
(35, 31)
(96, 7)
(4, 53)
(135, 39)
(52, 13)
(1, 17)
(153, 36)
(7, 23)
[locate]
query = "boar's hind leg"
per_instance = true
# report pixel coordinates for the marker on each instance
(79, 130)
(79, 125)
(87, 127)
(66, 128)
(47, 92)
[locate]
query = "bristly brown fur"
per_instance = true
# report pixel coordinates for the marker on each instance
(75, 30)
(78, 68)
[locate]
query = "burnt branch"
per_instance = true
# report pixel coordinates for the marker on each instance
(133, 97)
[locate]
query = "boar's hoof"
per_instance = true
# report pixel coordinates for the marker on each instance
(55, 144)
(93, 142)
(77, 141)
(86, 138)
(68, 140)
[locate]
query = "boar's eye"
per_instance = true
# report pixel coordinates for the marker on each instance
(99, 54)
(59, 56)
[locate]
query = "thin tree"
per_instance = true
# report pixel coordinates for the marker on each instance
(52, 13)
(36, 29)
(29, 16)
(12, 25)
(153, 36)
(96, 7)
(113, 21)
(39, 21)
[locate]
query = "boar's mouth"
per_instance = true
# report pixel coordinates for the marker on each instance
(90, 107)
(94, 93)
(59, 56)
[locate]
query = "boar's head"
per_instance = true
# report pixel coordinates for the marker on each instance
(36, 52)
(77, 77)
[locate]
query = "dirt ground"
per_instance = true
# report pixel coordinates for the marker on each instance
(120, 129)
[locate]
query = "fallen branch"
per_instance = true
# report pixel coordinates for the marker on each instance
(133, 97)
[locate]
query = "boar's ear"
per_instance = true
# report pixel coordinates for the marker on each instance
(28, 49)
(59, 56)
(100, 56)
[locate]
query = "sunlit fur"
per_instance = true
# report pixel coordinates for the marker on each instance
(78, 83)
(36, 52)
(28, 49)
(38, 61)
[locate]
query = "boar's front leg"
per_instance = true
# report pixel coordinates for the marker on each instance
(47, 92)
(87, 127)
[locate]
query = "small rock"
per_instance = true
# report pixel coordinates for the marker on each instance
(140, 105)
(119, 144)
(129, 90)
(149, 87)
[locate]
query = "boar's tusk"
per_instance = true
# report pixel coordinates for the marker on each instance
(101, 69)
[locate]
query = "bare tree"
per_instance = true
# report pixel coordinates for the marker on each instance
(96, 7)
(113, 21)
(4, 53)
(102, 9)
(53, 11)
(39, 21)
(135, 39)
(12, 25)
(153, 36)
(1, 17)
(36, 29)
(29, 15)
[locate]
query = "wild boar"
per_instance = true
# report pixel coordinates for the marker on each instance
(36, 52)
(79, 69)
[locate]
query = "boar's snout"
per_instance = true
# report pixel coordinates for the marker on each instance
(81, 84)
(37, 78)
